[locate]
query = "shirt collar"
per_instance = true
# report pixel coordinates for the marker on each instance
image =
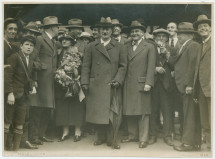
(137, 43)
(204, 41)
(50, 37)
(105, 42)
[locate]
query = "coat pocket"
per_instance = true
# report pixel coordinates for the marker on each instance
(141, 83)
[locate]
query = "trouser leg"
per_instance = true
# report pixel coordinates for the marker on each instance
(101, 132)
(132, 127)
(44, 121)
(34, 117)
(143, 124)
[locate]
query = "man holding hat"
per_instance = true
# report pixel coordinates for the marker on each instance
(184, 65)
(202, 78)
(103, 71)
(137, 86)
(45, 98)
(162, 88)
(117, 28)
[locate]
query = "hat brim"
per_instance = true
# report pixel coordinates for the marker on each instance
(120, 25)
(58, 24)
(137, 27)
(74, 26)
(34, 31)
(155, 33)
(187, 31)
(196, 23)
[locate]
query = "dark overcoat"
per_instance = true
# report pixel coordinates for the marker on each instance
(141, 71)
(100, 66)
(203, 69)
(47, 50)
(184, 65)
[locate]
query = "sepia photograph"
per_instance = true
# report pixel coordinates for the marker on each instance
(107, 79)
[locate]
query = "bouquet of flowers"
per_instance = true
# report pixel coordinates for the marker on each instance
(67, 75)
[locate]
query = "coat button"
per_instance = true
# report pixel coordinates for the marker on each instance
(98, 63)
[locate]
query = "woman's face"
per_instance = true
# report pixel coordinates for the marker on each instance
(66, 43)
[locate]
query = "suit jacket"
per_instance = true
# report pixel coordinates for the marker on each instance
(203, 69)
(141, 71)
(100, 66)
(184, 65)
(18, 83)
(47, 51)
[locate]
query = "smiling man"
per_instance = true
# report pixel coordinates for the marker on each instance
(202, 78)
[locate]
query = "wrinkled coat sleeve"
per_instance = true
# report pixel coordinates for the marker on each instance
(122, 65)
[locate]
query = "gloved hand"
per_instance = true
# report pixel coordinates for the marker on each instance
(114, 84)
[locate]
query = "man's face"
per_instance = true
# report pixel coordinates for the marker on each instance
(172, 28)
(55, 30)
(77, 31)
(136, 34)
(161, 38)
(11, 31)
(95, 33)
(182, 37)
(105, 32)
(27, 47)
(204, 30)
(116, 31)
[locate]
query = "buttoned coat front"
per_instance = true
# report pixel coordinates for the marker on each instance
(48, 55)
(141, 71)
(100, 66)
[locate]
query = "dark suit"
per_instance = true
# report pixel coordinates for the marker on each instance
(161, 98)
(136, 102)
(202, 86)
(184, 66)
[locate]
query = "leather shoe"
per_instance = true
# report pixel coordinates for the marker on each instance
(114, 146)
(28, 145)
(63, 138)
(128, 140)
(184, 147)
(152, 140)
(37, 142)
(168, 141)
(45, 139)
(77, 138)
(99, 142)
(143, 144)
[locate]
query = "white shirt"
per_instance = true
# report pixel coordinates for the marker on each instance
(175, 40)
(183, 45)
(136, 45)
(50, 37)
(105, 42)
(204, 41)
(118, 38)
(26, 58)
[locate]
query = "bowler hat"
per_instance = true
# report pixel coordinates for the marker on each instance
(116, 22)
(137, 25)
(201, 19)
(8, 21)
(75, 23)
(32, 26)
(50, 21)
(28, 38)
(86, 35)
(185, 27)
(69, 36)
(105, 22)
(161, 30)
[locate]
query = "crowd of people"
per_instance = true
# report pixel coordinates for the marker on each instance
(117, 79)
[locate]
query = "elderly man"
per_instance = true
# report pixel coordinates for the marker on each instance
(202, 78)
(162, 88)
(184, 65)
(103, 73)
(137, 86)
(45, 98)
(117, 28)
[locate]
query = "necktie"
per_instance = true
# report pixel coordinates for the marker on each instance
(172, 43)
(134, 44)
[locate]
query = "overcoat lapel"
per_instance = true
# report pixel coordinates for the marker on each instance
(48, 41)
(138, 50)
(182, 51)
(23, 59)
(100, 47)
(208, 46)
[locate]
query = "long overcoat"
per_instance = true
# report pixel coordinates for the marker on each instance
(48, 55)
(141, 71)
(100, 66)
(203, 69)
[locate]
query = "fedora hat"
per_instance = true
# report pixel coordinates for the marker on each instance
(116, 22)
(201, 19)
(75, 23)
(185, 27)
(32, 26)
(50, 21)
(86, 35)
(8, 21)
(105, 22)
(161, 30)
(136, 25)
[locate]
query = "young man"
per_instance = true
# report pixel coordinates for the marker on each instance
(202, 78)
(117, 29)
(18, 87)
(103, 71)
(184, 66)
(137, 86)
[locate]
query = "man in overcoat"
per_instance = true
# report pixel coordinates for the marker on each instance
(117, 29)
(45, 78)
(184, 66)
(104, 67)
(137, 86)
(202, 77)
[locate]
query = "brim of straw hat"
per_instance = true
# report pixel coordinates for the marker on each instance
(137, 27)
(196, 23)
